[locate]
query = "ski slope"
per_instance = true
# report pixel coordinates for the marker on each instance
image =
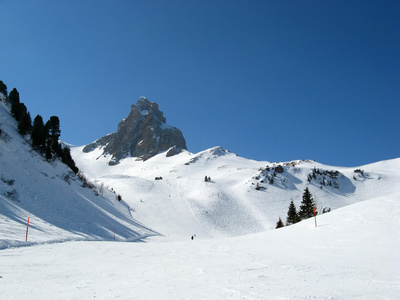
(352, 254)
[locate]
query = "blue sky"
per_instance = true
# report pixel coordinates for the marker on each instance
(268, 80)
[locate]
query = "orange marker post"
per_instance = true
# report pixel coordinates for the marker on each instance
(27, 226)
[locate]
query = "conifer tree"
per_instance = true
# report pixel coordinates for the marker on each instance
(53, 126)
(307, 205)
(38, 134)
(14, 96)
(16, 107)
(25, 121)
(66, 158)
(3, 88)
(292, 215)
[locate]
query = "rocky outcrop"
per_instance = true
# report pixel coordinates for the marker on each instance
(143, 134)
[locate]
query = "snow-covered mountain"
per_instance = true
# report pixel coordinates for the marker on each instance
(240, 196)
(213, 194)
(53, 198)
(216, 193)
(142, 134)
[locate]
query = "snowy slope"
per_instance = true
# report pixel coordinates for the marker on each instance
(240, 198)
(52, 197)
(352, 254)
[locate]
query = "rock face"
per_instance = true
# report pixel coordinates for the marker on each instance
(143, 134)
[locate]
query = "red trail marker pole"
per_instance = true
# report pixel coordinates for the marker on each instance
(27, 226)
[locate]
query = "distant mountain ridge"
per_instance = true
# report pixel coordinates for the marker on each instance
(142, 134)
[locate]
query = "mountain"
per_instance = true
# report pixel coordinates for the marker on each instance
(240, 196)
(53, 197)
(213, 193)
(142, 134)
(352, 253)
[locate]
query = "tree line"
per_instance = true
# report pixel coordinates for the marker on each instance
(44, 136)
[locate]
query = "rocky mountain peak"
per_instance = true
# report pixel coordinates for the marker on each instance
(143, 134)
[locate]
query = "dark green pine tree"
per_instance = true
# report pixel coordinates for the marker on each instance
(38, 134)
(16, 107)
(25, 121)
(67, 159)
(292, 215)
(53, 126)
(3, 88)
(48, 141)
(279, 224)
(307, 205)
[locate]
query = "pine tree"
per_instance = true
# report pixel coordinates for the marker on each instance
(16, 107)
(14, 96)
(53, 126)
(67, 159)
(292, 215)
(25, 122)
(38, 134)
(279, 224)
(307, 205)
(3, 88)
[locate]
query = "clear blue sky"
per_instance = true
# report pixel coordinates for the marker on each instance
(268, 80)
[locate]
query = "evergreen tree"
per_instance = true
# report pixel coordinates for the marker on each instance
(67, 159)
(53, 126)
(279, 224)
(292, 215)
(14, 96)
(16, 108)
(25, 121)
(38, 134)
(307, 205)
(3, 88)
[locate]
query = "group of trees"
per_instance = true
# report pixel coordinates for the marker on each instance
(44, 136)
(306, 211)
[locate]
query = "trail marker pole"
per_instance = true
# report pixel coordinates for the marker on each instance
(27, 226)
(315, 217)
(114, 233)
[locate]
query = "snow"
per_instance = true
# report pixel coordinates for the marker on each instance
(53, 198)
(71, 252)
(229, 205)
(352, 254)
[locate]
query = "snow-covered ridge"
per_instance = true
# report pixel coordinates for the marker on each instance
(53, 198)
(242, 196)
